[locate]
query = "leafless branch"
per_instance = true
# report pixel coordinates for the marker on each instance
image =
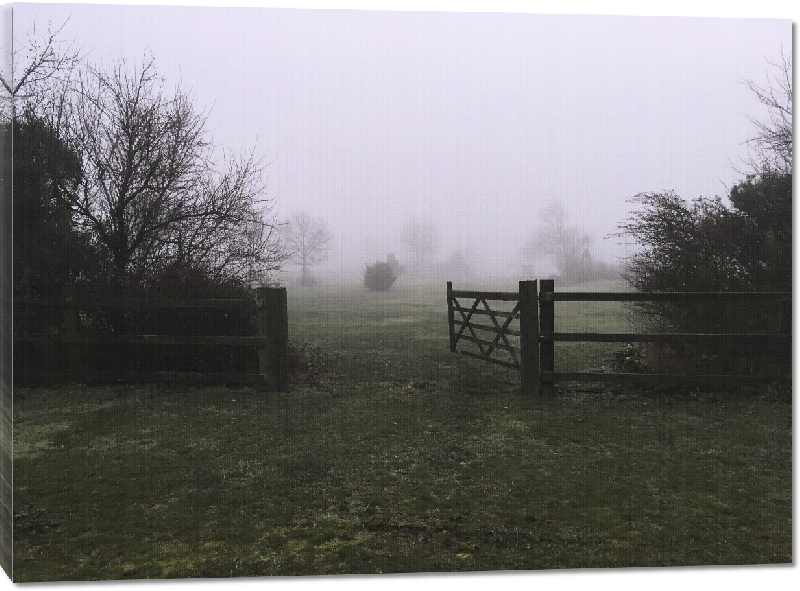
(35, 73)
(773, 141)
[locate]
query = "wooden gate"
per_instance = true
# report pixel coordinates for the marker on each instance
(502, 334)
(514, 332)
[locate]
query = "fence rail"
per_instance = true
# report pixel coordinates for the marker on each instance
(505, 296)
(77, 343)
(139, 303)
(508, 331)
(663, 296)
(535, 355)
(676, 337)
(141, 339)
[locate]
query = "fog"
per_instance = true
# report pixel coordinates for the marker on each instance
(471, 122)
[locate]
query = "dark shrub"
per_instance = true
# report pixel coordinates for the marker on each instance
(707, 246)
(380, 276)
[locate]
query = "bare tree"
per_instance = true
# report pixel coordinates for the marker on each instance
(306, 239)
(234, 237)
(422, 239)
(773, 141)
(32, 74)
(556, 238)
(149, 191)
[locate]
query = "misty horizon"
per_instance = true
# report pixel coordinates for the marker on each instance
(472, 122)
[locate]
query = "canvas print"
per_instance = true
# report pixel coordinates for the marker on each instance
(336, 292)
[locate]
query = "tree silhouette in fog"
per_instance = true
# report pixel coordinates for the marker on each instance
(306, 239)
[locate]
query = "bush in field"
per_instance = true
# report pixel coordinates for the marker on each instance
(380, 276)
(706, 246)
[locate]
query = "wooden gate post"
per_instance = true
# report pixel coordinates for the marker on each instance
(273, 328)
(547, 321)
(529, 337)
(451, 316)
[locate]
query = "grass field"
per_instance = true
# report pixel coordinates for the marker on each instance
(394, 455)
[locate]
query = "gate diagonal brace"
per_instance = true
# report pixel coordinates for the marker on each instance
(466, 324)
(501, 330)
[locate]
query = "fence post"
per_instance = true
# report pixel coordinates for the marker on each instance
(451, 316)
(273, 328)
(71, 333)
(546, 348)
(529, 337)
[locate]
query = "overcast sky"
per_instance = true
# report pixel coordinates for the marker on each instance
(471, 120)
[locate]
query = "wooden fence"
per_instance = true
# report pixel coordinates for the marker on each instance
(82, 345)
(534, 308)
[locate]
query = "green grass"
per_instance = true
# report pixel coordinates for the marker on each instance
(404, 458)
